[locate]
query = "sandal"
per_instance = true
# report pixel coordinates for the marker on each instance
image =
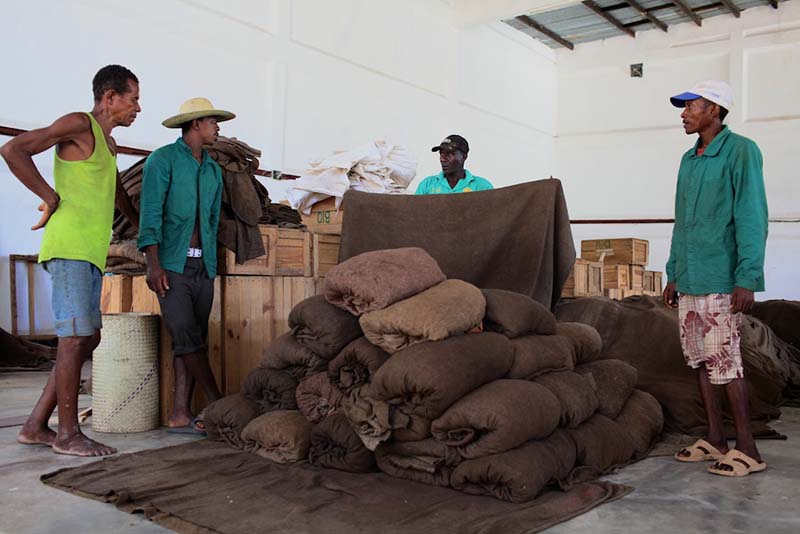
(740, 465)
(700, 451)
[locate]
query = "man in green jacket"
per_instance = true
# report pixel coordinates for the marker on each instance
(178, 219)
(716, 263)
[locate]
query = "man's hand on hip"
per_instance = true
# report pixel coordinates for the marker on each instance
(47, 208)
(741, 300)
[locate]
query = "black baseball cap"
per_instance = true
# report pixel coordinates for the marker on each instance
(453, 141)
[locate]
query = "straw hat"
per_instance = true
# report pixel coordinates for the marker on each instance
(197, 108)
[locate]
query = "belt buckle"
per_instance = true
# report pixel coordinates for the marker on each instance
(194, 253)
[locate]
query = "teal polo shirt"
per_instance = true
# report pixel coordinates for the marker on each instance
(175, 188)
(437, 184)
(721, 222)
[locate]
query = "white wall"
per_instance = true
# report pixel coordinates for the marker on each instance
(619, 140)
(305, 77)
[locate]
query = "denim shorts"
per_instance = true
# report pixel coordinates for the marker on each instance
(76, 296)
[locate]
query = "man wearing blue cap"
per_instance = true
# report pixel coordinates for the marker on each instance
(715, 265)
(454, 178)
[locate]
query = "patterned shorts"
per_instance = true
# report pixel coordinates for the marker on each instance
(710, 335)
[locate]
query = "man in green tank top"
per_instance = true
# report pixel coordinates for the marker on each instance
(77, 217)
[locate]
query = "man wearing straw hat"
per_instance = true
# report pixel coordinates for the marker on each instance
(179, 215)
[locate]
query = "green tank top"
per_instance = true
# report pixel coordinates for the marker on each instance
(80, 229)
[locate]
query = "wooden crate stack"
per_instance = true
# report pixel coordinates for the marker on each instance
(614, 268)
(252, 302)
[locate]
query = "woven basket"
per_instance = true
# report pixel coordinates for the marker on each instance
(125, 374)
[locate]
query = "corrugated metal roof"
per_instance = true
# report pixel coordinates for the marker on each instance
(579, 24)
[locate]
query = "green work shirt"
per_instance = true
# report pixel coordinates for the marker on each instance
(721, 222)
(169, 205)
(437, 184)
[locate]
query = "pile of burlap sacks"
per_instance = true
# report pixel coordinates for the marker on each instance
(397, 368)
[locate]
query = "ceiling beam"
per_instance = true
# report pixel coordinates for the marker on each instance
(525, 19)
(643, 12)
(688, 12)
(467, 13)
(608, 18)
(730, 6)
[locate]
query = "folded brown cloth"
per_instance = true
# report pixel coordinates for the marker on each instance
(587, 341)
(336, 446)
(447, 309)
(497, 417)
(355, 365)
(427, 378)
(574, 392)
(271, 389)
(377, 279)
(643, 420)
(375, 421)
(535, 355)
(518, 475)
(282, 436)
(226, 418)
(514, 314)
(601, 444)
(427, 461)
(317, 397)
(782, 316)
(287, 354)
(614, 382)
(322, 327)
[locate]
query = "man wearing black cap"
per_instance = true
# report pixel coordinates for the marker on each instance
(454, 178)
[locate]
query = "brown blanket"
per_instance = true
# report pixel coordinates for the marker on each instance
(168, 487)
(317, 397)
(522, 242)
(447, 309)
(375, 421)
(378, 279)
(271, 389)
(644, 333)
(642, 420)
(285, 353)
(427, 461)
(322, 327)
(226, 418)
(574, 392)
(518, 475)
(355, 365)
(514, 314)
(536, 355)
(614, 381)
(497, 417)
(782, 316)
(587, 341)
(427, 378)
(601, 445)
(282, 436)
(336, 446)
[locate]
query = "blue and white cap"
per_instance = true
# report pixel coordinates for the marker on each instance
(714, 91)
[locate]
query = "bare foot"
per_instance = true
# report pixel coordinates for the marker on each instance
(34, 435)
(178, 421)
(80, 445)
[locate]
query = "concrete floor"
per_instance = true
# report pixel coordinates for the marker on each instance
(669, 496)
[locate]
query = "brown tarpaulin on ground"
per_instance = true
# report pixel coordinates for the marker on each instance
(644, 333)
(516, 238)
(167, 486)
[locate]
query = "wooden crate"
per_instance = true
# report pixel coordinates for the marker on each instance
(613, 293)
(594, 285)
(325, 218)
(658, 282)
(325, 249)
(256, 311)
(636, 277)
(288, 253)
(616, 276)
(577, 283)
(649, 284)
(630, 251)
(116, 294)
(631, 292)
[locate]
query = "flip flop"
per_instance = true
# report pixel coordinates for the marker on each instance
(699, 451)
(741, 465)
(191, 428)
